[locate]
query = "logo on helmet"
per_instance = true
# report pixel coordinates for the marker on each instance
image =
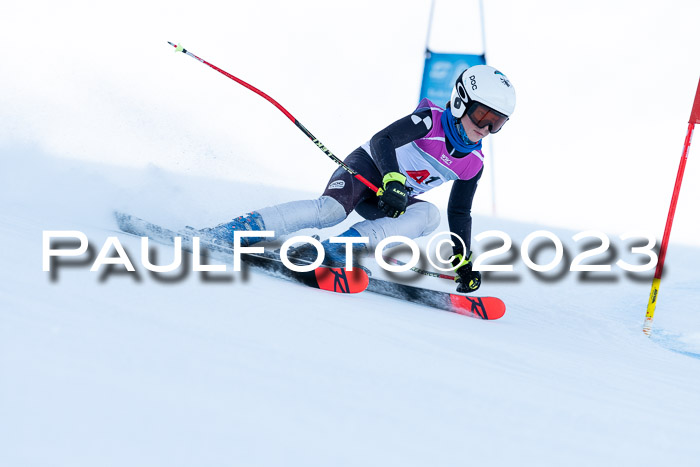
(504, 80)
(472, 78)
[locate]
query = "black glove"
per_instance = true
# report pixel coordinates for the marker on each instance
(393, 197)
(467, 279)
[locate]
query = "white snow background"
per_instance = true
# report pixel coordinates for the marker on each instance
(97, 114)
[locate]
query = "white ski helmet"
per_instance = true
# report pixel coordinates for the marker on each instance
(485, 85)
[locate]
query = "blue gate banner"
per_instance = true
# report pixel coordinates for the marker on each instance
(440, 73)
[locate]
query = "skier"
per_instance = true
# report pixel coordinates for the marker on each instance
(409, 157)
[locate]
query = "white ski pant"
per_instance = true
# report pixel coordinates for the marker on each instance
(419, 219)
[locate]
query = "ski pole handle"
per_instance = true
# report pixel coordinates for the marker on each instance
(326, 151)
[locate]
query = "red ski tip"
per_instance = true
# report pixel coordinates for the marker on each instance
(341, 280)
(478, 307)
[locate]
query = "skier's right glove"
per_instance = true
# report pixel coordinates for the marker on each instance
(393, 196)
(467, 279)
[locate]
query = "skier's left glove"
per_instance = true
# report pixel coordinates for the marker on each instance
(467, 279)
(393, 196)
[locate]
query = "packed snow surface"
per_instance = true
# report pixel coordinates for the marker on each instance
(112, 368)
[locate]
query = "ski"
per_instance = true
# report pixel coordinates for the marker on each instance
(337, 280)
(328, 278)
(489, 308)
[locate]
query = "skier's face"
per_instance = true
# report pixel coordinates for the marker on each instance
(474, 133)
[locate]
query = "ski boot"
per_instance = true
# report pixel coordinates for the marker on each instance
(222, 234)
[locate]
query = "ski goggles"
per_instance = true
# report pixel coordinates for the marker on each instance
(482, 116)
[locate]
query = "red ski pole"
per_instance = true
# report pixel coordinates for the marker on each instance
(651, 306)
(326, 151)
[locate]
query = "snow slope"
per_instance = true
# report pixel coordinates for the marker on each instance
(123, 369)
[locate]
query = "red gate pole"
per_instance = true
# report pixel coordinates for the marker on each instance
(651, 306)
